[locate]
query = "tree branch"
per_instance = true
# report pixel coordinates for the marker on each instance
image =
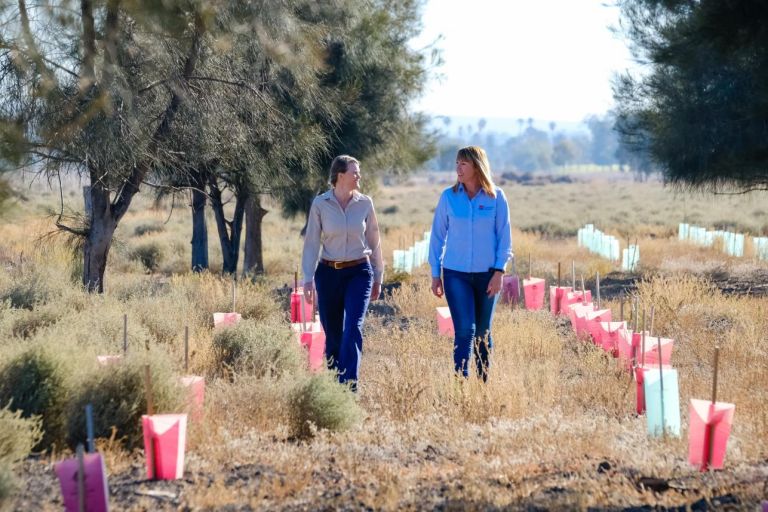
(89, 45)
(29, 40)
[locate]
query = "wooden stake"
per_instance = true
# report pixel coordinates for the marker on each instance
(186, 348)
(661, 384)
(303, 314)
(529, 266)
(89, 428)
(597, 286)
(711, 425)
(583, 291)
(621, 308)
(148, 390)
(234, 292)
(573, 275)
(125, 334)
(642, 346)
(558, 274)
(80, 478)
(650, 329)
(296, 281)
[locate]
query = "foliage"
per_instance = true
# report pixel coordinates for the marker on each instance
(150, 254)
(700, 110)
(34, 383)
(118, 395)
(319, 402)
(18, 436)
(257, 349)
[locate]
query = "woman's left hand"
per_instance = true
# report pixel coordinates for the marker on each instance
(376, 290)
(494, 286)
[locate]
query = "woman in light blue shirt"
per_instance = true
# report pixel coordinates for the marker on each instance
(470, 245)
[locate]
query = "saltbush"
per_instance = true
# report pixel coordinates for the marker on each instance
(26, 290)
(256, 348)
(27, 323)
(18, 436)
(34, 383)
(118, 396)
(150, 254)
(148, 228)
(319, 402)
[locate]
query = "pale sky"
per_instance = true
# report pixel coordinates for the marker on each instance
(546, 59)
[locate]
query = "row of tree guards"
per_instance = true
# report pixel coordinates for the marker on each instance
(83, 479)
(732, 244)
(406, 260)
(647, 358)
(607, 246)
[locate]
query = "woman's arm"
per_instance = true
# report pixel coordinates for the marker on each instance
(437, 244)
(373, 238)
(311, 252)
(503, 231)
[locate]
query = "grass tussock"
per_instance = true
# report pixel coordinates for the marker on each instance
(18, 436)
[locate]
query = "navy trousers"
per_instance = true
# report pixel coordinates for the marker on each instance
(342, 301)
(472, 312)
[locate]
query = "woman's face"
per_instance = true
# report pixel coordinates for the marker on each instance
(465, 171)
(349, 180)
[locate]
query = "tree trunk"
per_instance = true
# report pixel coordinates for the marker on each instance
(199, 226)
(98, 241)
(253, 261)
(229, 231)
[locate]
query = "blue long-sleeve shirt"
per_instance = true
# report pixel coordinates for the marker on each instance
(470, 235)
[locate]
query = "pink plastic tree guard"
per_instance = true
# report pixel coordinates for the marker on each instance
(592, 323)
(195, 386)
(165, 437)
(640, 380)
(225, 319)
(573, 297)
(610, 336)
(108, 360)
(314, 341)
(444, 321)
(652, 350)
(95, 479)
(296, 307)
(578, 316)
(510, 289)
(556, 298)
(625, 347)
(708, 419)
(533, 290)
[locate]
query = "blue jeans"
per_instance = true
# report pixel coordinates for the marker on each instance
(342, 300)
(472, 312)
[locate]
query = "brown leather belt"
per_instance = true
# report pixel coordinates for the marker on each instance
(342, 264)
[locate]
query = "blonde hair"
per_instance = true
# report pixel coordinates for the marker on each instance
(477, 156)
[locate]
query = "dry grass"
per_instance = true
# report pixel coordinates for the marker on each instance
(554, 407)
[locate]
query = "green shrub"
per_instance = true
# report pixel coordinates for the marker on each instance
(320, 402)
(149, 228)
(117, 393)
(18, 436)
(150, 254)
(34, 384)
(257, 349)
(26, 290)
(29, 322)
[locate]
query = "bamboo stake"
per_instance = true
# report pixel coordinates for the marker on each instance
(234, 292)
(621, 308)
(597, 285)
(303, 314)
(89, 428)
(583, 291)
(573, 275)
(558, 274)
(80, 478)
(125, 333)
(710, 425)
(661, 384)
(296, 281)
(642, 346)
(186, 348)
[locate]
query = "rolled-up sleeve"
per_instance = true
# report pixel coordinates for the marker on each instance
(311, 252)
(503, 231)
(437, 237)
(373, 239)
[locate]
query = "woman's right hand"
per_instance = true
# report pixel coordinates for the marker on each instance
(309, 291)
(437, 286)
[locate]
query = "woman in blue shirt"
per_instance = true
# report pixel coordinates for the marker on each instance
(470, 245)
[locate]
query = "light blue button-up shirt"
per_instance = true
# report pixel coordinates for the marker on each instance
(470, 235)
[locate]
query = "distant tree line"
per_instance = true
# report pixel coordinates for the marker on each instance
(536, 150)
(232, 100)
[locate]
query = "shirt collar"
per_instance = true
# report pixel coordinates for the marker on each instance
(328, 196)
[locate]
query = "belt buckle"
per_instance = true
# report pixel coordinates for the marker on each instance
(337, 265)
